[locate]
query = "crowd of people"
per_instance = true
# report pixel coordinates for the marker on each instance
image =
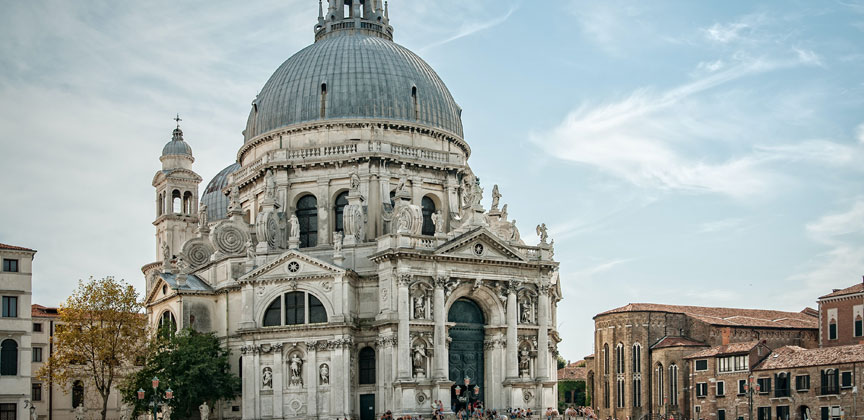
(476, 410)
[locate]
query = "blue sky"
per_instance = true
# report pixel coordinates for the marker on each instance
(680, 152)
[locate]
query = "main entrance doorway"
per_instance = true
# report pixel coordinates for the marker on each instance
(367, 407)
(466, 347)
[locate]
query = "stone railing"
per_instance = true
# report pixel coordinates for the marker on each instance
(409, 241)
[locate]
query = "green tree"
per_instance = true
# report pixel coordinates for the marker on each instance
(562, 363)
(100, 333)
(193, 364)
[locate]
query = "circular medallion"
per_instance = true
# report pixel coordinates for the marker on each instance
(478, 249)
(293, 267)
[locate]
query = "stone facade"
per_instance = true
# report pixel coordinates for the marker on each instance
(639, 368)
(15, 348)
(350, 236)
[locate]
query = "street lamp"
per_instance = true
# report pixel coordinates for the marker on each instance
(156, 399)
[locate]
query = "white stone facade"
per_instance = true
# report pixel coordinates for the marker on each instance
(396, 235)
(16, 288)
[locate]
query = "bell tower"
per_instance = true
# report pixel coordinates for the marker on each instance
(176, 197)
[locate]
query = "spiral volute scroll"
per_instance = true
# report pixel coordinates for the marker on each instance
(197, 252)
(228, 238)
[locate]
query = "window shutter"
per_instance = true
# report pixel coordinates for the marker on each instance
(823, 386)
(826, 415)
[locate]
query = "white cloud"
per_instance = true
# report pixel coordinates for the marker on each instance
(740, 29)
(722, 225)
(471, 28)
(832, 227)
(710, 66)
(860, 133)
(809, 57)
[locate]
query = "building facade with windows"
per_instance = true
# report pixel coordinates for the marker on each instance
(641, 365)
(15, 331)
(841, 317)
(346, 256)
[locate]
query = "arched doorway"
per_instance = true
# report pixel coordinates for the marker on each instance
(466, 347)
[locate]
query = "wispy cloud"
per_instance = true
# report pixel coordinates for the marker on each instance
(737, 30)
(471, 28)
(722, 225)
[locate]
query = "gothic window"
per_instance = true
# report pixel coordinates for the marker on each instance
(619, 358)
(606, 393)
(295, 308)
(619, 394)
(317, 313)
(273, 314)
(338, 211)
(673, 385)
(637, 358)
(637, 392)
(428, 210)
(606, 359)
(9, 358)
(307, 215)
(660, 390)
(366, 361)
(168, 321)
(77, 393)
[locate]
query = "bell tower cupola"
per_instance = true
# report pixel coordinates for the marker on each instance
(176, 196)
(370, 17)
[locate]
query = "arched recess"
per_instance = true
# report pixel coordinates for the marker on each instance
(8, 357)
(339, 204)
(466, 354)
(486, 299)
(428, 207)
(176, 204)
(307, 216)
(295, 307)
(188, 203)
(168, 322)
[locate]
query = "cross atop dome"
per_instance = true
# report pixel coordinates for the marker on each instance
(370, 17)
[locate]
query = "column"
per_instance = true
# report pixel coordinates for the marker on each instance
(543, 332)
(440, 347)
(323, 212)
(278, 382)
(250, 399)
(403, 338)
(511, 354)
(310, 379)
(346, 384)
(248, 300)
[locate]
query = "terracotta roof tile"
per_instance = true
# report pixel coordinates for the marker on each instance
(572, 372)
(732, 317)
(16, 248)
(858, 288)
(733, 348)
(43, 311)
(667, 341)
(794, 356)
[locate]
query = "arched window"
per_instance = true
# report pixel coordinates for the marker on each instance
(188, 202)
(176, 205)
(661, 392)
(167, 323)
(299, 306)
(428, 210)
(414, 100)
(366, 361)
(77, 393)
(619, 393)
(832, 329)
(160, 204)
(859, 326)
(606, 393)
(273, 314)
(307, 215)
(619, 358)
(637, 358)
(637, 391)
(339, 210)
(323, 100)
(673, 385)
(9, 358)
(606, 358)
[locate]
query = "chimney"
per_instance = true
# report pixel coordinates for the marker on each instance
(726, 334)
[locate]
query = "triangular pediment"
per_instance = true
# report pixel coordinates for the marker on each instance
(293, 264)
(479, 243)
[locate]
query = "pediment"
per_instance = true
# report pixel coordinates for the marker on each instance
(293, 264)
(180, 174)
(481, 244)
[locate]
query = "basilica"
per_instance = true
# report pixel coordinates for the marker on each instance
(346, 256)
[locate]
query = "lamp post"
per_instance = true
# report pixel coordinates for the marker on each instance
(156, 398)
(750, 388)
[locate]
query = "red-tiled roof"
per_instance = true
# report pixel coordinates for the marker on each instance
(794, 357)
(810, 311)
(573, 372)
(43, 311)
(858, 288)
(16, 248)
(731, 317)
(667, 341)
(733, 348)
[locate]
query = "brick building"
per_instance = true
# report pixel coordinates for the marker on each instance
(640, 369)
(841, 317)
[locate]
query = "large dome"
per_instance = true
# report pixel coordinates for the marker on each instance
(362, 77)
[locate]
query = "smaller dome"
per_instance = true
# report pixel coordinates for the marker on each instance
(213, 198)
(177, 147)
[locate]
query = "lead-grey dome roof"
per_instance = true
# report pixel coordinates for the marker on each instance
(366, 77)
(177, 146)
(213, 198)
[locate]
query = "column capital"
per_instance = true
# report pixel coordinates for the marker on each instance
(405, 278)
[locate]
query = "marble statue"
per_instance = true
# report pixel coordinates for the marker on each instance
(250, 250)
(267, 374)
(182, 265)
(503, 212)
(420, 307)
(337, 242)
(33, 415)
(524, 361)
(514, 236)
(324, 374)
(543, 233)
(419, 359)
(526, 312)
(295, 363)
(355, 183)
(403, 182)
(79, 412)
(166, 253)
(270, 185)
(234, 199)
(204, 410)
(438, 221)
(166, 412)
(202, 216)
(295, 227)
(496, 196)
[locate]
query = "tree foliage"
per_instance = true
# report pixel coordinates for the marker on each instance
(99, 337)
(194, 365)
(562, 362)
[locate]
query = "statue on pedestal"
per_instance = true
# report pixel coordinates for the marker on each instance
(204, 410)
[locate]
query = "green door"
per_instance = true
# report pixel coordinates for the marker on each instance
(367, 407)
(466, 347)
